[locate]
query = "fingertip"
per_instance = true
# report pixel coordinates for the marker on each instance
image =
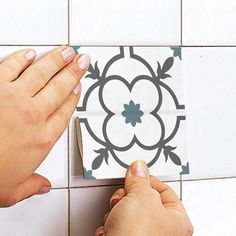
(138, 168)
(30, 55)
(99, 231)
(83, 61)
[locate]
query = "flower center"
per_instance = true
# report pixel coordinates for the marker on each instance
(132, 113)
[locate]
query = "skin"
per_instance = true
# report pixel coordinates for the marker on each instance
(37, 101)
(145, 206)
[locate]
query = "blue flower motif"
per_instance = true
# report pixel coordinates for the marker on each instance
(132, 113)
(185, 169)
(88, 174)
(177, 52)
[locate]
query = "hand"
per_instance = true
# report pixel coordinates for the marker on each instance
(145, 207)
(37, 100)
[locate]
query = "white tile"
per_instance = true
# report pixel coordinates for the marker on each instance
(209, 22)
(34, 22)
(211, 206)
(87, 209)
(209, 76)
(89, 205)
(55, 166)
(45, 215)
(132, 22)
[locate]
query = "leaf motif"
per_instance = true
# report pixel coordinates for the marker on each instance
(97, 71)
(158, 68)
(97, 162)
(170, 148)
(166, 155)
(106, 158)
(168, 64)
(99, 150)
(175, 158)
(94, 72)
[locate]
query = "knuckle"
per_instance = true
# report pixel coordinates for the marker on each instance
(72, 74)
(44, 142)
(39, 75)
(31, 114)
(62, 117)
(54, 60)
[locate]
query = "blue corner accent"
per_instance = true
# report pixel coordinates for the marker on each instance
(76, 48)
(177, 52)
(185, 170)
(132, 113)
(88, 174)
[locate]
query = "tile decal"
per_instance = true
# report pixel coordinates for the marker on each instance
(132, 108)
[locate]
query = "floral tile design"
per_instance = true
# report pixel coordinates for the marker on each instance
(132, 108)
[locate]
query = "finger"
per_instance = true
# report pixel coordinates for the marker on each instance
(59, 120)
(105, 216)
(15, 64)
(99, 231)
(58, 89)
(137, 179)
(116, 197)
(168, 196)
(37, 76)
(35, 184)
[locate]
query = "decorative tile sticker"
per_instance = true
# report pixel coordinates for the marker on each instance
(132, 108)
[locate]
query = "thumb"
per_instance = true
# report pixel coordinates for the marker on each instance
(35, 184)
(137, 178)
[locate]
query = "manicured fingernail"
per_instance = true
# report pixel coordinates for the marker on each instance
(114, 200)
(100, 231)
(44, 190)
(84, 62)
(30, 55)
(139, 168)
(77, 89)
(68, 54)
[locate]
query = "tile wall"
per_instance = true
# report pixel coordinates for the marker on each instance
(205, 29)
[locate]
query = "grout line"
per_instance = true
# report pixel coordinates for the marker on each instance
(68, 131)
(181, 181)
(69, 205)
(181, 22)
(30, 45)
(68, 15)
(210, 178)
(181, 188)
(119, 45)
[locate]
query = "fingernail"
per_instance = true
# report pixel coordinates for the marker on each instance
(30, 55)
(77, 89)
(114, 199)
(84, 62)
(44, 190)
(68, 54)
(139, 168)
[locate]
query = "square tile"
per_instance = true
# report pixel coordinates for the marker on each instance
(211, 206)
(97, 198)
(45, 215)
(209, 79)
(132, 108)
(34, 22)
(150, 22)
(88, 207)
(55, 166)
(209, 22)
